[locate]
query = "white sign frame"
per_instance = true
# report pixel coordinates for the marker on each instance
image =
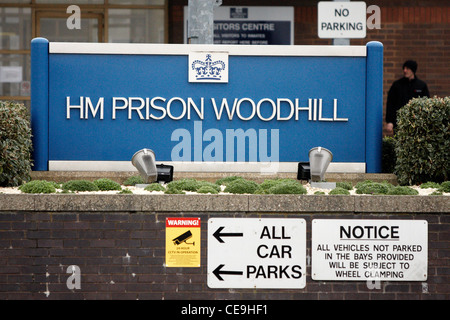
(343, 17)
(375, 250)
(256, 253)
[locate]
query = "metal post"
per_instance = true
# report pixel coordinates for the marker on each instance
(201, 21)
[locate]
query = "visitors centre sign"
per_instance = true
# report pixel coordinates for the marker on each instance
(205, 107)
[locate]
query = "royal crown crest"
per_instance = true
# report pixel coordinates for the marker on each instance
(208, 69)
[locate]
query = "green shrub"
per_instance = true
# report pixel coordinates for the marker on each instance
(15, 144)
(133, 180)
(241, 186)
(429, 184)
(344, 185)
(266, 185)
(38, 186)
(186, 184)
(402, 190)
(423, 141)
(370, 187)
(104, 184)
(445, 186)
(288, 188)
(388, 157)
(207, 189)
(174, 191)
(225, 181)
(79, 185)
(125, 191)
(339, 190)
(154, 187)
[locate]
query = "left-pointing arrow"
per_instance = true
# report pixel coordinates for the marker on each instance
(218, 235)
(218, 272)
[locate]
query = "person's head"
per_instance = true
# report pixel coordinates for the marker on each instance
(409, 69)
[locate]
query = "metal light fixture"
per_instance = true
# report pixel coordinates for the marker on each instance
(144, 161)
(319, 159)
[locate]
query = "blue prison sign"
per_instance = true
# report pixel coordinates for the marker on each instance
(205, 107)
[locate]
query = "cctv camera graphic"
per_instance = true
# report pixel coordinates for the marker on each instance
(182, 238)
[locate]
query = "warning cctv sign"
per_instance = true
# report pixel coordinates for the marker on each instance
(256, 253)
(337, 19)
(183, 242)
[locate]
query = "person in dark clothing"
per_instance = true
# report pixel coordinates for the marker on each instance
(401, 92)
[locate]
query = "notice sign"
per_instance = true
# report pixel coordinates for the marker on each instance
(337, 19)
(256, 253)
(383, 250)
(183, 242)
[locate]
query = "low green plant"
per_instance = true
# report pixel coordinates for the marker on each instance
(344, 185)
(370, 187)
(186, 184)
(288, 188)
(133, 180)
(241, 186)
(225, 181)
(423, 141)
(38, 186)
(402, 190)
(445, 186)
(339, 190)
(429, 184)
(15, 144)
(174, 191)
(319, 192)
(125, 191)
(207, 189)
(266, 185)
(105, 184)
(79, 185)
(154, 187)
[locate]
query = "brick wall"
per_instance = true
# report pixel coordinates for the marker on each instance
(121, 255)
(418, 30)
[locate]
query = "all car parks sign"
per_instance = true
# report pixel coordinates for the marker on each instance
(256, 253)
(384, 250)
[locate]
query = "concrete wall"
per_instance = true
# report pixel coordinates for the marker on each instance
(118, 242)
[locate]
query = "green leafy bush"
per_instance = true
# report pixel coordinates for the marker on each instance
(133, 180)
(207, 189)
(344, 185)
(288, 188)
(370, 187)
(125, 191)
(445, 186)
(241, 186)
(266, 185)
(105, 184)
(429, 184)
(186, 184)
(174, 191)
(423, 141)
(225, 181)
(154, 187)
(402, 190)
(388, 157)
(15, 144)
(38, 186)
(79, 185)
(339, 190)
